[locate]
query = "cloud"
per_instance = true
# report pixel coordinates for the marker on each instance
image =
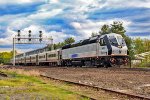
(127, 3)
(52, 1)
(6, 2)
(45, 14)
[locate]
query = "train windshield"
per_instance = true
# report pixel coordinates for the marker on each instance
(117, 41)
(121, 41)
(113, 41)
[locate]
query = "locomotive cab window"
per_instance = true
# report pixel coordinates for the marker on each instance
(102, 42)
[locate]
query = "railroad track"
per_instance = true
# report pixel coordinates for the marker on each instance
(110, 68)
(130, 95)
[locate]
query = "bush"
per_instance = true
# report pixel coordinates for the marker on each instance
(144, 64)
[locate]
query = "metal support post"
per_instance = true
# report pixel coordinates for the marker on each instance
(52, 47)
(14, 52)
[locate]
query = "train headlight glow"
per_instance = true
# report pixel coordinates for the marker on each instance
(119, 46)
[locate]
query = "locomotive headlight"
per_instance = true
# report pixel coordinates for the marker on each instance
(119, 46)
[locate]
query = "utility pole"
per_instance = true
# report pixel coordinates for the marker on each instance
(28, 39)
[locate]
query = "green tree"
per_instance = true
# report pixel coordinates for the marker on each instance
(69, 40)
(105, 29)
(61, 44)
(141, 45)
(138, 45)
(5, 57)
(146, 45)
(117, 27)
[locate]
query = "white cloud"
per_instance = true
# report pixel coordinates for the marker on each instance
(127, 3)
(44, 14)
(52, 1)
(10, 18)
(57, 36)
(4, 2)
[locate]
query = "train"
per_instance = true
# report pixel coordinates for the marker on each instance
(106, 50)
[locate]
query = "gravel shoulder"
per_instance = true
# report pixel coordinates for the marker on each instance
(120, 80)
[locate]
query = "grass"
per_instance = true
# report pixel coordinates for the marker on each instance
(26, 84)
(143, 64)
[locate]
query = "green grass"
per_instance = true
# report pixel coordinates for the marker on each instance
(33, 87)
(144, 64)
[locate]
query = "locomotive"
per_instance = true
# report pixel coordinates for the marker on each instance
(102, 51)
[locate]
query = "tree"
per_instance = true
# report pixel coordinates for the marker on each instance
(105, 29)
(61, 44)
(138, 46)
(117, 27)
(146, 45)
(69, 40)
(5, 57)
(141, 45)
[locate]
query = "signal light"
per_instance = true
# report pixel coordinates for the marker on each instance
(40, 39)
(40, 35)
(29, 39)
(29, 31)
(18, 39)
(29, 35)
(18, 35)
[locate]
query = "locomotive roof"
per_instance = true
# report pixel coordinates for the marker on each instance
(82, 42)
(87, 41)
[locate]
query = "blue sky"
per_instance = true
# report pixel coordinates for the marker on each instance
(70, 18)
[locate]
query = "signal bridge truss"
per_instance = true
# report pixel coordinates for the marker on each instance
(30, 39)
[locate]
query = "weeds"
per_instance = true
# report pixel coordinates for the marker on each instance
(23, 82)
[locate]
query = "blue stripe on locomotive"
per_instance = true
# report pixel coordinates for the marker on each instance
(74, 55)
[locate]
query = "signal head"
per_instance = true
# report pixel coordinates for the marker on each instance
(40, 31)
(29, 31)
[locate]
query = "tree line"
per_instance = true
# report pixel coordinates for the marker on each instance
(5, 57)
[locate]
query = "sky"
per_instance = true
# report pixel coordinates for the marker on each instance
(70, 18)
